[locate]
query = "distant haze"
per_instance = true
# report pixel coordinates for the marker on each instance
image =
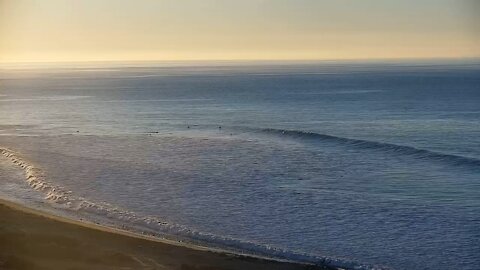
(92, 30)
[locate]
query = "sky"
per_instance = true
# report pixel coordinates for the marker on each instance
(131, 30)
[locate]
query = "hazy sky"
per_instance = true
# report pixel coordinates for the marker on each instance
(73, 30)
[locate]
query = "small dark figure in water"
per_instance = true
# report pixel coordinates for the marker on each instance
(219, 127)
(188, 126)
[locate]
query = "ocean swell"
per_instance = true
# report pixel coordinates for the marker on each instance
(382, 146)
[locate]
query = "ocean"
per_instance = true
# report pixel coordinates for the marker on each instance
(363, 165)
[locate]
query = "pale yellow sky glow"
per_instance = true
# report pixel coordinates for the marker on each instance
(106, 30)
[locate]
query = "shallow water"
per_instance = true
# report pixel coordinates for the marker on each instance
(361, 163)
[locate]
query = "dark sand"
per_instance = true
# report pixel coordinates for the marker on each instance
(33, 240)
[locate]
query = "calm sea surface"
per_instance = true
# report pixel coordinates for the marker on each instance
(359, 164)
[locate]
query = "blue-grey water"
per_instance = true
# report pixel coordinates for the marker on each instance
(361, 164)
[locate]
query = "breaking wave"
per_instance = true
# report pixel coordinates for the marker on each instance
(154, 226)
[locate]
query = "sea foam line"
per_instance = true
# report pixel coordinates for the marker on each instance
(37, 180)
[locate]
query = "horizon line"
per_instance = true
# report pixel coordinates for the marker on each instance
(233, 60)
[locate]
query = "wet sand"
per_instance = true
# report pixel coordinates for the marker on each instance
(35, 240)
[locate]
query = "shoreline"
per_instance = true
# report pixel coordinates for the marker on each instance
(32, 239)
(35, 179)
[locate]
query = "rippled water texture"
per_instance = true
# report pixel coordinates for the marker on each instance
(362, 164)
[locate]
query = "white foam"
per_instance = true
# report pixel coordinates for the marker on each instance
(123, 219)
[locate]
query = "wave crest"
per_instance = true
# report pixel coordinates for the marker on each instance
(383, 146)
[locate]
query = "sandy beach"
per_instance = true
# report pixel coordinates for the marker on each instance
(34, 240)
